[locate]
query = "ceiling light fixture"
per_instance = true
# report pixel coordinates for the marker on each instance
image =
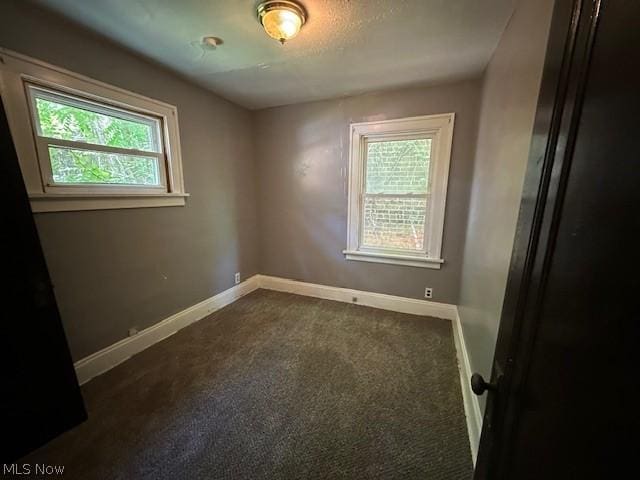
(211, 42)
(281, 19)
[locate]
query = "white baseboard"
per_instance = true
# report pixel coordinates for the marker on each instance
(471, 404)
(369, 299)
(107, 358)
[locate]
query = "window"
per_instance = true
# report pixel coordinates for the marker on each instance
(86, 145)
(397, 190)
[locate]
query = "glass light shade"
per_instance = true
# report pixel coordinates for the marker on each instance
(281, 23)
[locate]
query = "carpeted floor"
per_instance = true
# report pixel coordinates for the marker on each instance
(278, 386)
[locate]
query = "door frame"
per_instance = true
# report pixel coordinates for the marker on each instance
(571, 37)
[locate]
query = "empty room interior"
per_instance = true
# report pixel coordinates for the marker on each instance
(265, 239)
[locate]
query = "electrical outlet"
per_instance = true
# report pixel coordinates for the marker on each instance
(237, 278)
(133, 331)
(428, 292)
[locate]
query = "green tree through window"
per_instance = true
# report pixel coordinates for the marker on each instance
(79, 165)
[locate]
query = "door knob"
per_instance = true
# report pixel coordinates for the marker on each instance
(479, 386)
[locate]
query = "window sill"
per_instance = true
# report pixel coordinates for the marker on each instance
(52, 202)
(389, 258)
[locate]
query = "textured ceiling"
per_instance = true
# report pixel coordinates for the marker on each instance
(346, 47)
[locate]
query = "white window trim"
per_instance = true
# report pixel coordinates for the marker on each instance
(17, 71)
(440, 129)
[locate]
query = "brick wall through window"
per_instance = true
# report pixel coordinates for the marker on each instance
(396, 194)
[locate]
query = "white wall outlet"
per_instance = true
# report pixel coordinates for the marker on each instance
(133, 331)
(428, 292)
(237, 278)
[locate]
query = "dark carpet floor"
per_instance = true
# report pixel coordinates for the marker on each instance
(278, 386)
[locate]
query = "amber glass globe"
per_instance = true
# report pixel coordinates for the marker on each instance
(281, 20)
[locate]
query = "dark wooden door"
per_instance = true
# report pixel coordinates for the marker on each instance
(39, 397)
(565, 367)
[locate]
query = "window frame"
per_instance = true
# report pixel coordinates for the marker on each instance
(43, 143)
(19, 74)
(440, 129)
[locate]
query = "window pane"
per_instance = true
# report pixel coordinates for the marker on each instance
(396, 223)
(398, 166)
(59, 120)
(85, 166)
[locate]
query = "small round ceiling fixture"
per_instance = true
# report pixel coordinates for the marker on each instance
(281, 19)
(211, 42)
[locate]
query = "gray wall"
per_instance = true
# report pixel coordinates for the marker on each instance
(114, 269)
(302, 152)
(509, 97)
